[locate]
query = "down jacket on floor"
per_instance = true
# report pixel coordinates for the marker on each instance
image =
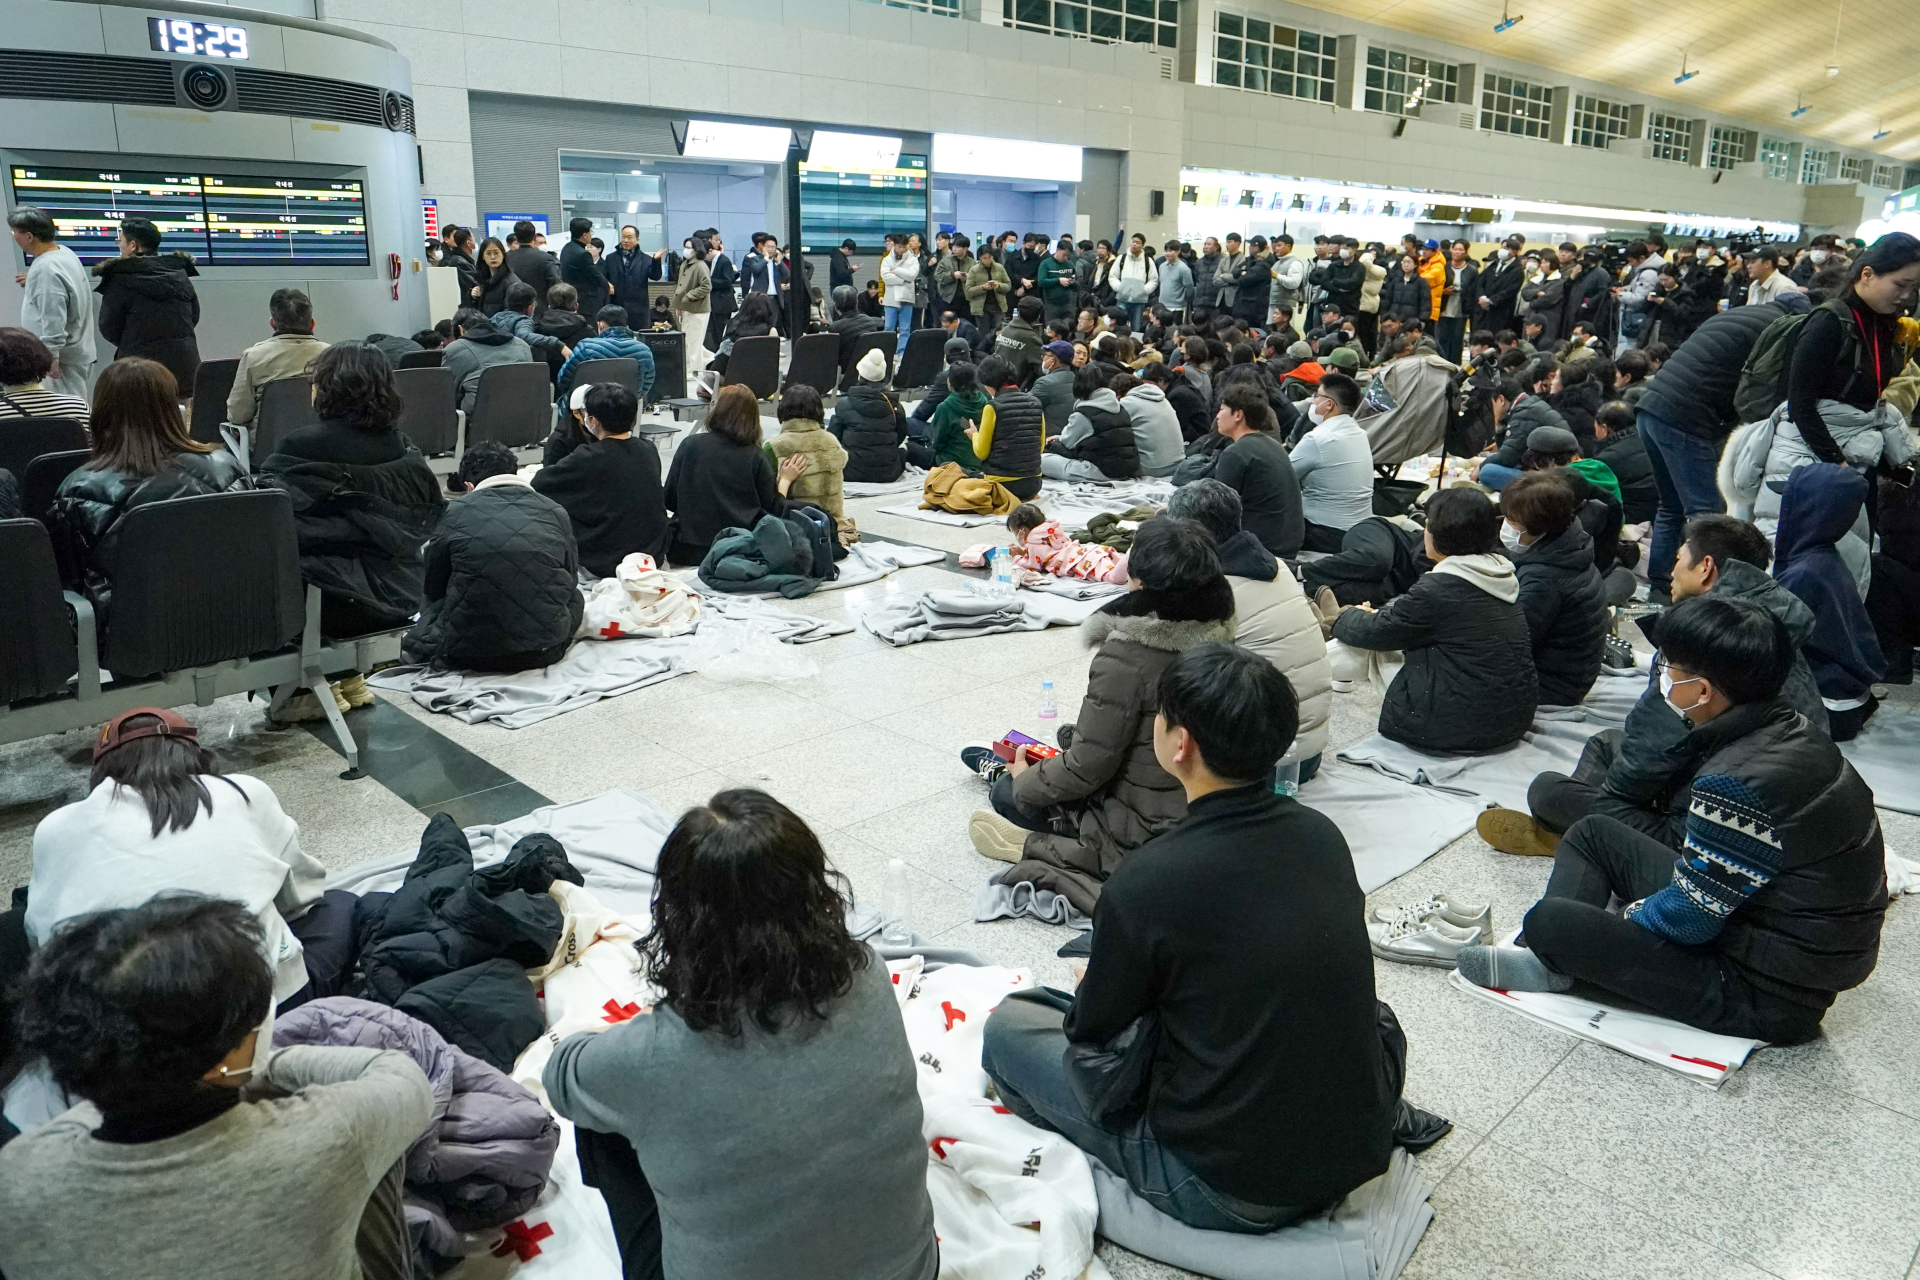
(452, 945)
(484, 1158)
(780, 553)
(1566, 610)
(1107, 793)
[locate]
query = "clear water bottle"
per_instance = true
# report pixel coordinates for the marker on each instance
(897, 904)
(1286, 778)
(1049, 705)
(1003, 568)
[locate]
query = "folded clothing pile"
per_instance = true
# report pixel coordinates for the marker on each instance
(452, 946)
(791, 554)
(948, 488)
(484, 1158)
(1114, 528)
(950, 615)
(638, 601)
(1050, 550)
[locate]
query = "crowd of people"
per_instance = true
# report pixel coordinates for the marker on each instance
(1670, 423)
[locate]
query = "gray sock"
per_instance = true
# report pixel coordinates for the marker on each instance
(1509, 969)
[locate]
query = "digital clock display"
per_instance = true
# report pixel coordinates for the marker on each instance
(201, 39)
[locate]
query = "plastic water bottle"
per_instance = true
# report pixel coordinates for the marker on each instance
(1003, 568)
(897, 903)
(1286, 778)
(1049, 705)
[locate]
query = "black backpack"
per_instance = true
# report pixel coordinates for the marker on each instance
(1763, 378)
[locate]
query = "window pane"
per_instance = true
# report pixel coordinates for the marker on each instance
(1282, 60)
(1107, 4)
(1227, 24)
(1067, 17)
(1376, 78)
(1106, 26)
(1040, 11)
(1258, 30)
(1170, 11)
(1140, 8)
(1283, 85)
(1256, 54)
(1225, 48)
(1376, 57)
(1326, 91)
(1139, 32)
(1254, 78)
(1397, 61)
(1227, 73)
(1169, 36)
(1376, 101)
(1309, 42)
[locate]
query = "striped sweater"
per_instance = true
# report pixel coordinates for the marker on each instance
(1732, 850)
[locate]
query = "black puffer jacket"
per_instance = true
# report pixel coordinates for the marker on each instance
(86, 513)
(1252, 282)
(1111, 447)
(1405, 297)
(452, 945)
(1576, 406)
(148, 309)
(870, 424)
(610, 490)
(1566, 611)
(501, 580)
(1693, 390)
(1190, 407)
(1018, 426)
(1528, 414)
(1625, 454)
(1654, 763)
(362, 528)
(1468, 683)
(1814, 929)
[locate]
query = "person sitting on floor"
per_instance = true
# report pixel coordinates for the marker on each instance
(1012, 434)
(155, 1017)
(871, 425)
(720, 478)
(821, 484)
(955, 424)
(1054, 387)
(610, 488)
(1068, 821)
(919, 422)
(1271, 615)
(503, 571)
(1639, 774)
(1156, 427)
(1775, 903)
(1561, 594)
(1520, 407)
(1255, 465)
(1098, 443)
(764, 1117)
(1274, 1087)
(140, 831)
(1333, 463)
(1468, 684)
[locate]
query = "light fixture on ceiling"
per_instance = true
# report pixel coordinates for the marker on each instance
(633, 206)
(1884, 133)
(1507, 22)
(1685, 75)
(1833, 63)
(1799, 110)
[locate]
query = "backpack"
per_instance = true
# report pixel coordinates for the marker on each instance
(1763, 378)
(822, 538)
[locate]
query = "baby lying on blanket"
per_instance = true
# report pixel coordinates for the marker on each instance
(1042, 546)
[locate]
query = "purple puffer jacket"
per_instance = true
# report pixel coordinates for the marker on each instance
(485, 1155)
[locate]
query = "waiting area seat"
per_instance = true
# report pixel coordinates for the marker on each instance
(421, 360)
(513, 405)
(883, 342)
(212, 384)
(182, 630)
(286, 405)
(429, 408)
(27, 438)
(815, 362)
(42, 480)
(755, 365)
(618, 369)
(922, 361)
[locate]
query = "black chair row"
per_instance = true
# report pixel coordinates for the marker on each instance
(183, 629)
(816, 360)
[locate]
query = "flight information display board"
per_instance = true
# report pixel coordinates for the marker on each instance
(861, 205)
(221, 220)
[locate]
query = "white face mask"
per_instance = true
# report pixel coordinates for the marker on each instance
(1819, 256)
(1313, 413)
(1346, 253)
(1510, 537)
(1667, 684)
(1503, 253)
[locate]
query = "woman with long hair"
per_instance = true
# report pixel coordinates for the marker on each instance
(159, 816)
(721, 479)
(141, 453)
(762, 1119)
(491, 276)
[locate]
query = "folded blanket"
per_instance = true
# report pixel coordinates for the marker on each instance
(949, 615)
(996, 901)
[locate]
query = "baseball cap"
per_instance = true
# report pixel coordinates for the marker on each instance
(1300, 351)
(578, 399)
(1343, 358)
(115, 732)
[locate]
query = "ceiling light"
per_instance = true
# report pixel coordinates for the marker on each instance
(1833, 68)
(1884, 132)
(1685, 75)
(1800, 110)
(633, 206)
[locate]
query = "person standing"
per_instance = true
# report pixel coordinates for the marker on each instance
(1206, 281)
(1456, 300)
(693, 291)
(899, 273)
(1225, 271)
(723, 277)
(58, 307)
(1176, 282)
(1289, 277)
(841, 266)
(627, 268)
(534, 265)
(579, 268)
(1498, 287)
(958, 267)
(148, 307)
(1135, 281)
(987, 289)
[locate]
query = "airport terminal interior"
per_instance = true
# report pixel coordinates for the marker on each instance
(959, 640)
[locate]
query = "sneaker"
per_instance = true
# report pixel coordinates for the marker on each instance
(1432, 942)
(353, 691)
(1458, 913)
(980, 759)
(1618, 654)
(995, 837)
(1511, 831)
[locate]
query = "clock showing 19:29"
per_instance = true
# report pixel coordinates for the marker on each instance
(197, 39)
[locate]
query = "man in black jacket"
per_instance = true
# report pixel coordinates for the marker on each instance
(535, 267)
(502, 589)
(841, 266)
(579, 268)
(1498, 286)
(1256, 466)
(1685, 416)
(1775, 903)
(1273, 1087)
(627, 269)
(611, 486)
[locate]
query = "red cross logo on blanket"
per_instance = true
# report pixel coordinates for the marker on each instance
(611, 630)
(522, 1240)
(953, 1015)
(939, 1149)
(617, 1012)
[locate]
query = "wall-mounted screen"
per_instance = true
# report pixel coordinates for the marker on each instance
(221, 220)
(197, 39)
(861, 205)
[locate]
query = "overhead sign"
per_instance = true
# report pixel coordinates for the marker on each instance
(853, 151)
(718, 140)
(968, 155)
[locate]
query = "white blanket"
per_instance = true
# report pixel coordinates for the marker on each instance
(1075, 504)
(912, 480)
(934, 515)
(592, 670)
(1886, 755)
(1391, 826)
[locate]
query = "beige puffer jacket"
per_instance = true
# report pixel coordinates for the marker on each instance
(1274, 620)
(821, 483)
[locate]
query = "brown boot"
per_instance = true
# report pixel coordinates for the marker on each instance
(1511, 831)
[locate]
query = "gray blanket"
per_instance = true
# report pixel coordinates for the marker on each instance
(1391, 826)
(590, 671)
(960, 613)
(1886, 755)
(996, 901)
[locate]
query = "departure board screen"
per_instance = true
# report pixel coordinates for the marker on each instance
(861, 205)
(221, 220)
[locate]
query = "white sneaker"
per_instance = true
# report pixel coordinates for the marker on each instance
(1432, 942)
(1454, 911)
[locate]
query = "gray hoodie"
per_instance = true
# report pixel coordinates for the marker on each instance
(1079, 427)
(58, 306)
(1156, 429)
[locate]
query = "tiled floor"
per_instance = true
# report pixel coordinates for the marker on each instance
(1567, 1160)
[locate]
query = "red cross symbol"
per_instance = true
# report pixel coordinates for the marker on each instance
(611, 630)
(617, 1012)
(522, 1240)
(940, 1150)
(953, 1015)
